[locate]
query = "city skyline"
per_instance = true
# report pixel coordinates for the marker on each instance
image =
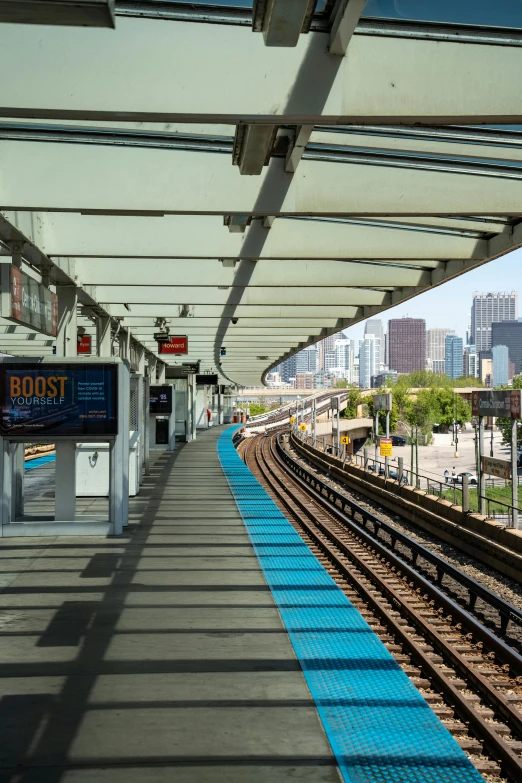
(497, 275)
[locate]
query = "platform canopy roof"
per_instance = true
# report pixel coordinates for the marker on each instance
(262, 176)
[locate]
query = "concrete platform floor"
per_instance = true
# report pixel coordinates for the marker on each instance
(159, 656)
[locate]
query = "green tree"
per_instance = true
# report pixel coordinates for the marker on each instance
(448, 406)
(354, 399)
(503, 424)
(255, 408)
(341, 385)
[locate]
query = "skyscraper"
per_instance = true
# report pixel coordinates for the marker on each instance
(369, 360)
(306, 360)
(407, 344)
(500, 365)
(327, 346)
(509, 333)
(454, 356)
(374, 326)
(487, 309)
(436, 349)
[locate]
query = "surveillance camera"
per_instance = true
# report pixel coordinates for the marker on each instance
(235, 320)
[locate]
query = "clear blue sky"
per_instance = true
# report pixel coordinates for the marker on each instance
(448, 305)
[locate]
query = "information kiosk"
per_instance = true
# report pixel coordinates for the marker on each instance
(65, 402)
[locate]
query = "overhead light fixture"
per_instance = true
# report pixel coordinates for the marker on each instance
(73, 13)
(127, 307)
(223, 287)
(186, 311)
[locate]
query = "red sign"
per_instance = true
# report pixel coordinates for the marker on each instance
(177, 345)
(515, 404)
(84, 346)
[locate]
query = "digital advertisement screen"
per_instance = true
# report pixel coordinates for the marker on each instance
(160, 399)
(58, 399)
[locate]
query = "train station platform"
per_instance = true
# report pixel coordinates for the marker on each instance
(159, 656)
(207, 644)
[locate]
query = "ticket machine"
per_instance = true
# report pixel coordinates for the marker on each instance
(162, 421)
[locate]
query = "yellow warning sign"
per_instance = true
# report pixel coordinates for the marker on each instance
(385, 447)
(302, 427)
(345, 440)
(292, 419)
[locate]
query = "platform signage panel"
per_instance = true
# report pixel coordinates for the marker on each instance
(496, 467)
(176, 345)
(302, 427)
(160, 400)
(382, 402)
(65, 400)
(385, 447)
(84, 347)
(28, 302)
(345, 440)
(505, 403)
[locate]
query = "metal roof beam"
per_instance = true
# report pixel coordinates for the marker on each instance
(73, 74)
(139, 181)
(187, 236)
(83, 13)
(345, 21)
(282, 21)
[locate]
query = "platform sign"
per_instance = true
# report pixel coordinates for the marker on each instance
(382, 402)
(160, 399)
(292, 419)
(177, 345)
(496, 467)
(505, 403)
(84, 346)
(302, 427)
(62, 399)
(385, 447)
(345, 440)
(28, 302)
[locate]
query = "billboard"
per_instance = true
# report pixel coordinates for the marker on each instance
(160, 399)
(382, 402)
(177, 345)
(62, 399)
(505, 403)
(28, 302)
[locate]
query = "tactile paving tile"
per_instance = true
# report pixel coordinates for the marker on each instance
(380, 728)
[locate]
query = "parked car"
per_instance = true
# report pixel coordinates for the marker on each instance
(472, 478)
(398, 440)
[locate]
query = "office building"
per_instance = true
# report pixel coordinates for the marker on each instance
(509, 333)
(375, 326)
(500, 365)
(327, 346)
(306, 361)
(489, 308)
(436, 349)
(369, 360)
(288, 369)
(305, 380)
(407, 344)
(387, 378)
(471, 363)
(454, 356)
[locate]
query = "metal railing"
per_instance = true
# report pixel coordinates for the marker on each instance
(433, 485)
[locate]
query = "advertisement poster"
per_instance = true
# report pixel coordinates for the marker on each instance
(160, 400)
(58, 399)
(32, 303)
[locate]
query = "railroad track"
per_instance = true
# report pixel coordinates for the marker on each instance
(467, 674)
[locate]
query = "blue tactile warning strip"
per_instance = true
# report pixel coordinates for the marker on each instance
(380, 728)
(35, 463)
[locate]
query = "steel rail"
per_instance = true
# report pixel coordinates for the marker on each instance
(496, 746)
(476, 590)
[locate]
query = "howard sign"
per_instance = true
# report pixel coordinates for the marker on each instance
(176, 345)
(504, 403)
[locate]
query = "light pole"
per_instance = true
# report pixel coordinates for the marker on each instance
(410, 432)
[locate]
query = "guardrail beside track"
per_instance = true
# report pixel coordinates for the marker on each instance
(338, 539)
